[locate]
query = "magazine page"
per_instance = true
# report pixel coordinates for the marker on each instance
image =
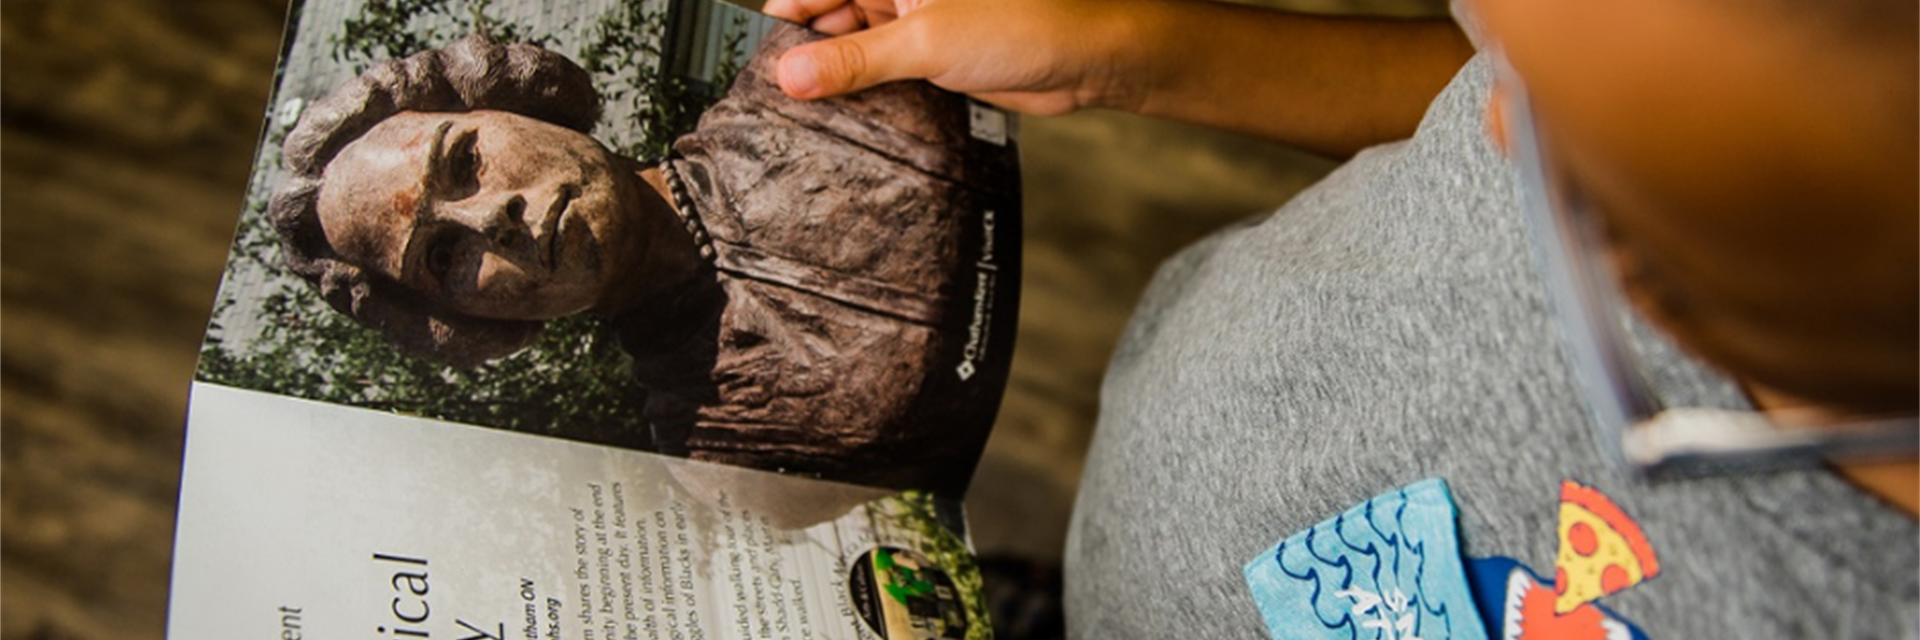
(557, 319)
(601, 220)
(303, 519)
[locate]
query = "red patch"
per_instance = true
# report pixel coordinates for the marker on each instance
(1583, 539)
(405, 203)
(1614, 579)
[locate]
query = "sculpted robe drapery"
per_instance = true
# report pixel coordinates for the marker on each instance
(857, 319)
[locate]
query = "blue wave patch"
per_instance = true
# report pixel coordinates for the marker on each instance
(1387, 569)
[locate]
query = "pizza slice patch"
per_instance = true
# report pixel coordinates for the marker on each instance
(1602, 551)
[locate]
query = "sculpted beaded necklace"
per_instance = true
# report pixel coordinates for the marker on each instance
(682, 202)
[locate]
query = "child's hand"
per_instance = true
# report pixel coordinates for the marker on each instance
(1332, 85)
(840, 17)
(1042, 57)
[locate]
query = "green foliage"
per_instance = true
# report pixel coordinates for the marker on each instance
(734, 59)
(625, 52)
(382, 30)
(385, 29)
(916, 512)
(903, 584)
(573, 382)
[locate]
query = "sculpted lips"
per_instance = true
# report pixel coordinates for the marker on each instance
(550, 226)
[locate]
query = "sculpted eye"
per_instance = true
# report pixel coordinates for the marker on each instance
(440, 256)
(460, 170)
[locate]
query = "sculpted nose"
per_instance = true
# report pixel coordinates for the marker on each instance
(506, 224)
(501, 220)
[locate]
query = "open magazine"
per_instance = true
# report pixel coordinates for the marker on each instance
(557, 320)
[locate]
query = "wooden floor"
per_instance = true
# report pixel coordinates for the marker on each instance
(129, 126)
(128, 132)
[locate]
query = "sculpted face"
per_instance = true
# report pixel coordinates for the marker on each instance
(1755, 168)
(490, 213)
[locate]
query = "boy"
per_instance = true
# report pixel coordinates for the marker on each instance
(1751, 169)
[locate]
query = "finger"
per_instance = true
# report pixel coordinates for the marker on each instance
(879, 12)
(844, 20)
(1496, 119)
(800, 11)
(851, 62)
(1029, 103)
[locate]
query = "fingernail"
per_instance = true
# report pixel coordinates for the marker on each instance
(799, 75)
(785, 10)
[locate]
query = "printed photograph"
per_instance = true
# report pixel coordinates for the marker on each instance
(603, 221)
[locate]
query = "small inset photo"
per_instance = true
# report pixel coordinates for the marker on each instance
(902, 595)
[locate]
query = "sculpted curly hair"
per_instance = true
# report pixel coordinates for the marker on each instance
(471, 74)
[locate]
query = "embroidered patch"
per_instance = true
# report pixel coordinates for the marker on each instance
(1602, 549)
(1518, 605)
(1388, 569)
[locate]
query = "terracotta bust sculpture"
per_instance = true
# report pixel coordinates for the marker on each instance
(822, 288)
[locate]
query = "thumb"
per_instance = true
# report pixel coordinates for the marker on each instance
(847, 63)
